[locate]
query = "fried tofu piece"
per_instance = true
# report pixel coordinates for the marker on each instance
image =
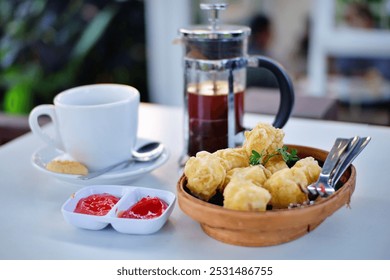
(286, 185)
(310, 167)
(233, 158)
(244, 195)
(263, 138)
(276, 163)
(205, 173)
(257, 174)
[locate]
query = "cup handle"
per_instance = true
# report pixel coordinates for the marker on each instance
(43, 110)
(286, 103)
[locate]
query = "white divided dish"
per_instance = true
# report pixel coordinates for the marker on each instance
(128, 196)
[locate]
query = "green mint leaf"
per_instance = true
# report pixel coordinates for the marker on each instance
(255, 158)
(289, 157)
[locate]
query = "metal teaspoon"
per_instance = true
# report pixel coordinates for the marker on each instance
(147, 152)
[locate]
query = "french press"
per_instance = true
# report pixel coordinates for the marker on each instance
(215, 62)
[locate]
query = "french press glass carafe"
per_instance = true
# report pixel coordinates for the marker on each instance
(215, 62)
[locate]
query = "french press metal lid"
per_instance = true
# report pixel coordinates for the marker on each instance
(215, 41)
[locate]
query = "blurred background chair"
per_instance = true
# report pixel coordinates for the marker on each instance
(356, 37)
(349, 58)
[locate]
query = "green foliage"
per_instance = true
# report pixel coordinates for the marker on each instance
(290, 157)
(42, 49)
(376, 8)
(255, 158)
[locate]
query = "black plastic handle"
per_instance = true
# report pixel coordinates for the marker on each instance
(286, 88)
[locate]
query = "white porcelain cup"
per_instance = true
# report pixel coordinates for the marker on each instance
(95, 124)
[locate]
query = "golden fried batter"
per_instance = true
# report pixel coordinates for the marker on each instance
(276, 163)
(256, 174)
(286, 185)
(205, 173)
(263, 138)
(311, 168)
(245, 195)
(284, 188)
(233, 157)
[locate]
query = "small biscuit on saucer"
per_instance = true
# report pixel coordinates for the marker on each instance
(67, 166)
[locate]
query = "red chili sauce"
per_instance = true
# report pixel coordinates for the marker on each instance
(147, 208)
(96, 204)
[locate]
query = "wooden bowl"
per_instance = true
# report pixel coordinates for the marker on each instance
(270, 227)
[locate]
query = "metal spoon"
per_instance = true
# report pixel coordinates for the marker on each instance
(147, 152)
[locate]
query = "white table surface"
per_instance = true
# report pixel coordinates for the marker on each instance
(32, 226)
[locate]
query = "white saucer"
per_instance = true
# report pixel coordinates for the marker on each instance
(117, 176)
